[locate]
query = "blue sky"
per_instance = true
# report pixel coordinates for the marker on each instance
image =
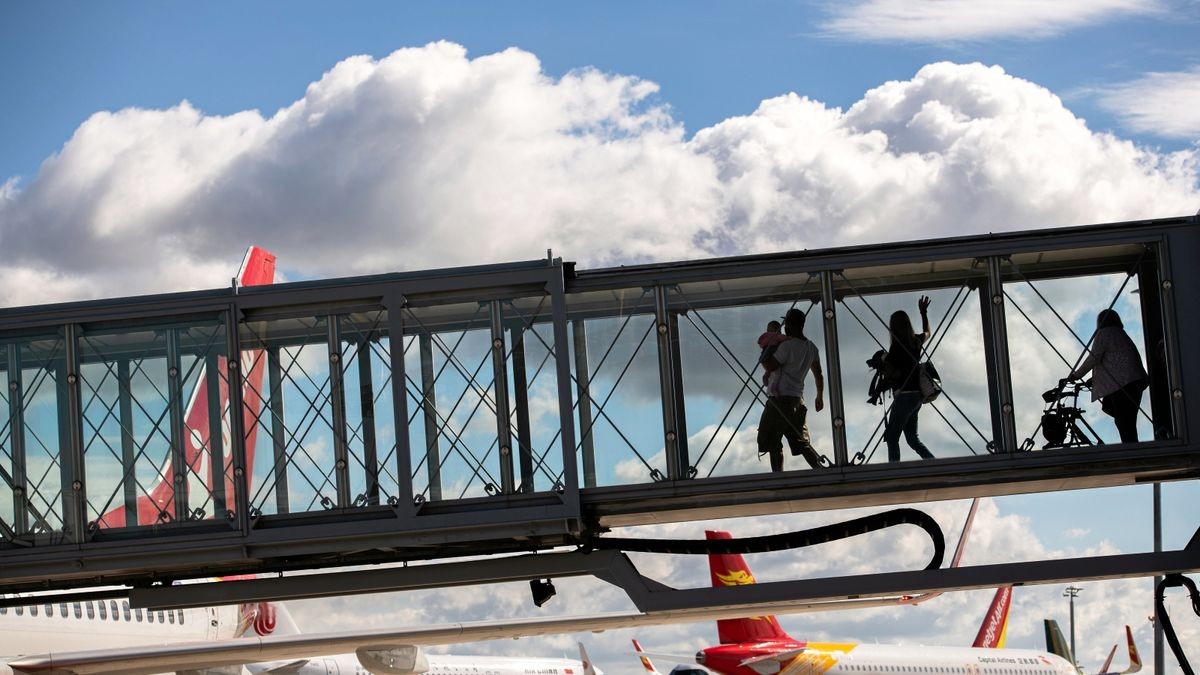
(613, 132)
(712, 59)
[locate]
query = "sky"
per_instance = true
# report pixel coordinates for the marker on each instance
(143, 145)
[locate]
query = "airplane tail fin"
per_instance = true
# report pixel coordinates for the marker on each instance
(1055, 642)
(266, 618)
(730, 569)
(994, 628)
(588, 668)
(650, 670)
(203, 434)
(1135, 660)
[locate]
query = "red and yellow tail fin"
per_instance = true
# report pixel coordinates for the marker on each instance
(200, 429)
(730, 569)
(995, 623)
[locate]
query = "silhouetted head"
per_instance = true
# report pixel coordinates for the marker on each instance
(1108, 319)
(793, 323)
(773, 326)
(901, 329)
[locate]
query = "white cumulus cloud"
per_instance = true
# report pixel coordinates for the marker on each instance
(428, 157)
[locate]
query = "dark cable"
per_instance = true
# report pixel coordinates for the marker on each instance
(787, 540)
(1161, 610)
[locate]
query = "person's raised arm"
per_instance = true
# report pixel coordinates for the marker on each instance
(923, 306)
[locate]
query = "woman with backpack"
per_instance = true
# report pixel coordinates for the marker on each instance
(903, 369)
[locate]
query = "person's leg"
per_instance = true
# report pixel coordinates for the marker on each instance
(1122, 405)
(798, 423)
(902, 409)
(910, 432)
(770, 429)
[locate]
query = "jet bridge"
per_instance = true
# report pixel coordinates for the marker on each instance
(519, 407)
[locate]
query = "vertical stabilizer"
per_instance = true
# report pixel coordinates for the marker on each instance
(995, 623)
(1055, 642)
(588, 668)
(266, 618)
(730, 569)
(157, 504)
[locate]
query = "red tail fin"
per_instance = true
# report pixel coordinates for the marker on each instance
(730, 569)
(258, 268)
(995, 622)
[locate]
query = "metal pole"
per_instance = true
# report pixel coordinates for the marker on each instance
(997, 339)
(1070, 594)
(366, 403)
(521, 401)
(500, 391)
(1159, 664)
(833, 370)
(128, 456)
(216, 444)
(337, 393)
(179, 462)
(71, 451)
(433, 451)
(16, 397)
(278, 430)
(394, 302)
(684, 469)
(666, 380)
(583, 384)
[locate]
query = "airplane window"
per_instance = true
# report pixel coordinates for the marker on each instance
(91, 610)
(181, 615)
(137, 614)
(150, 616)
(33, 610)
(49, 610)
(78, 611)
(20, 610)
(171, 617)
(112, 606)
(62, 609)
(3, 611)
(161, 617)
(103, 609)
(125, 606)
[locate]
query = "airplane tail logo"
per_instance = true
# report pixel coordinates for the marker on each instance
(646, 663)
(730, 569)
(258, 268)
(995, 623)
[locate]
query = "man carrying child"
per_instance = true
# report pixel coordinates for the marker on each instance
(785, 414)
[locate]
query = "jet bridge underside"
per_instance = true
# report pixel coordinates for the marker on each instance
(512, 408)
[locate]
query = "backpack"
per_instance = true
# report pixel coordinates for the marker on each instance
(929, 381)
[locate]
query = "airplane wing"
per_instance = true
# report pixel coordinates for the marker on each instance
(377, 643)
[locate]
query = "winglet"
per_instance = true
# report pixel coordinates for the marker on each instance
(1108, 661)
(645, 659)
(1135, 660)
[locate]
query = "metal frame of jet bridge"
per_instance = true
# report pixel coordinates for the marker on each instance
(330, 439)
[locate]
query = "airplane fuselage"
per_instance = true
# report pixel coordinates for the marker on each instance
(859, 659)
(103, 624)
